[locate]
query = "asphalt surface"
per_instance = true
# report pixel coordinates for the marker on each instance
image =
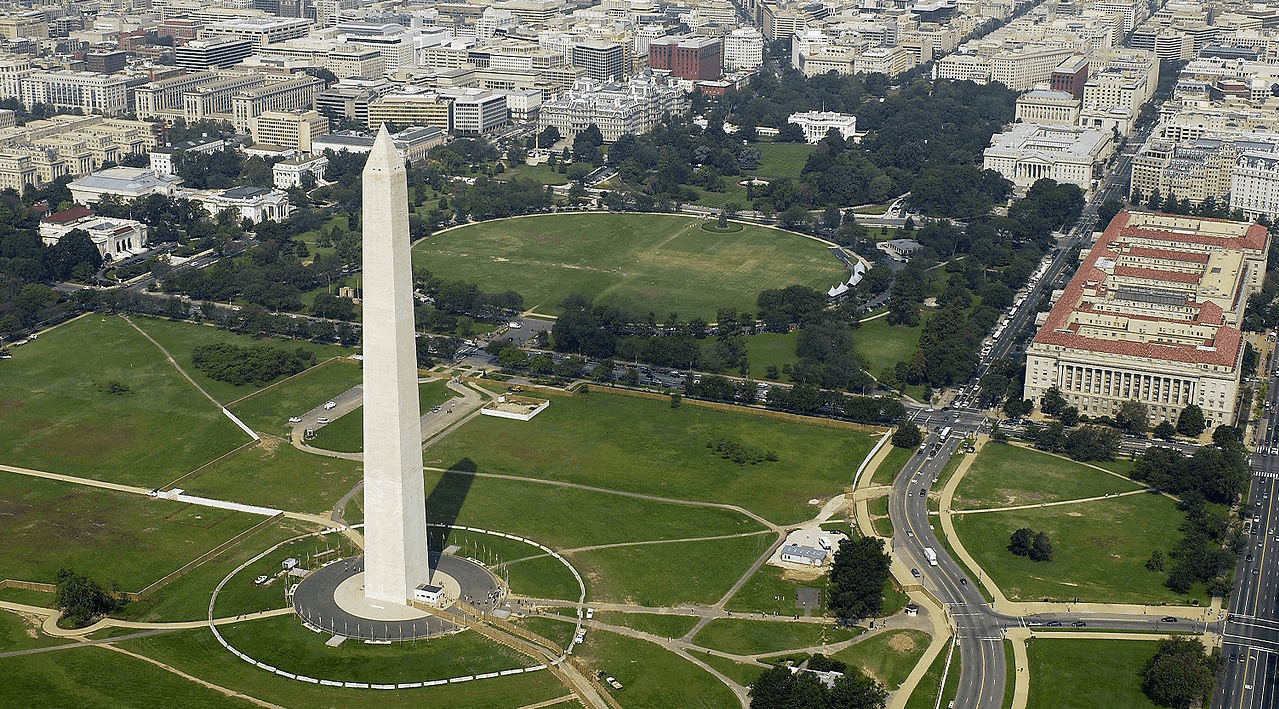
(1250, 636)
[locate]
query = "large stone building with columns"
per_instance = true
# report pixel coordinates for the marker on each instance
(1152, 315)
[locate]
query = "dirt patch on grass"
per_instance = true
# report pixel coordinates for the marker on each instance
(9, 406)
(902, 643)
(85, 441)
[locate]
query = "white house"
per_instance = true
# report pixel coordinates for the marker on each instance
(113, 237)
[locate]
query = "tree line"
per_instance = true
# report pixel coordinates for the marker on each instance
(258, 365)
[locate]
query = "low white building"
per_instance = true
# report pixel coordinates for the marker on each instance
(795, 554)
(253, 203)
(162, 158)
(291, 173)
(817, 123)
(113, 237)
(127, 183)
(1028, 152)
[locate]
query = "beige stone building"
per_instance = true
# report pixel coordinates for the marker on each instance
(1152, 315)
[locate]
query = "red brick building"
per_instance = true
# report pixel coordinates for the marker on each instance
(1071, 75)
(691, 58)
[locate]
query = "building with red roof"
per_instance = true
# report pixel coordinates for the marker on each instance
(1152, 315)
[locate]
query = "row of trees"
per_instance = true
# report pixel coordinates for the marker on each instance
(779, 688)
(258, 365)
(1029, 543)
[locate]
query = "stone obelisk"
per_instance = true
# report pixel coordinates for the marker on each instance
(395, 559)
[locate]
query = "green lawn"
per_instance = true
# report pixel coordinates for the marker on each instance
(884, 345)
(1006, 475)
(925, 694)
(641, 263)
(878, 506)
(241, 595)
(20, 633)
(542, 174)
(769, 348)
(57, 415)
(543, 577)
(98, 677)
(1095, 673)
(668, 574)
(748, 637)
(665, 625)
(276, 474)
(196, 652)
(887, 657)
(111, 536)
(767, 592)
(644, 446)
(891, 465)
(1115, 534)
(557, 629)
(346, 434)
(739, 672)
(652, 678)
(283, 642)
(180, 339)
(781, 159)
(269, 411)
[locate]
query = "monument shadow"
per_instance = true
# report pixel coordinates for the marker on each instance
(444, 504)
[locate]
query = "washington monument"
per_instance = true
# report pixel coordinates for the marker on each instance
(395, 559)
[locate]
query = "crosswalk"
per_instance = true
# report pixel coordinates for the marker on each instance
(1266, 473)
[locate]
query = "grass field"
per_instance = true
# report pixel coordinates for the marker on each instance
(767, 592)
(891, 465)
(925, 694)
(270, 410)
(887, 657)
(542, 174)
(1006, 475)
(781, 159)
(543, 577)
(241, 595)
(180, 339)
(884, 345)
(112, 536)
(23, 633)
(1097, 673)
(98, 677)
(667, 626)
(641, 445)
(668, 574)
(746, 637)
(1116, 534)
(652, 678)
(769, 348)
(57, 415)
(196, 652)
(276, 474)
(739, 672)
(641, 263)
(283, 642)
(346, 434)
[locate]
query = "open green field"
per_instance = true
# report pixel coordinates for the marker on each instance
(767, 592)
(196, 652)
(781, 159)
(1116, 534)
(241, 595)
(668, 574)
(275, 474)
(283, 642)
(57, 415)
(1007, 475)
(1096, 673)
(543, 577)
(747, 637)
(98, 677)
(891, 465)
(888, 657)
(638, 262)
(542, 174)
(23, 633)
(652, 678)
(112, 536)
(270, 410)
(768, 348)
(884, 345)
(180, 339)
(346, 434)
(665, 625)
(739, 672)
(644, 446)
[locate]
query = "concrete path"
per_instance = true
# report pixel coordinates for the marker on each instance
(172, 362)
(193, 678)
(1076, 501)
(88, 482)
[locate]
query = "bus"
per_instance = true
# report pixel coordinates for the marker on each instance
(945, 433)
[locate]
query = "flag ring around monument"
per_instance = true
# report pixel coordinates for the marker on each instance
(343, 569)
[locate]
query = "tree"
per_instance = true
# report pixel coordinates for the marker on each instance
(790, 133)
(1042, 548)
(857, 576)
(1180, 674)
(1165, 431)
(1225, 433)
(1108, 210)
(1156, 561)
(1191, 421)
(907, 435)
(1132, 417)
(549, 136)
(1052, 401)
(1020, 541)
(81, 598)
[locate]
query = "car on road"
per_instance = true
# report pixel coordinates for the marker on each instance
(1053, 624)
(322, 419)
(295, 419)
(1168, 619)
(1033, 624)
(329, 405)
(436, 410)
(1078, 624)
(1256, 572)
(915, 573)
(1248, 559)
(923, 491)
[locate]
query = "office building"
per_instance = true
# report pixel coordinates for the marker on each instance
(690, 58)
(289, 129)
(602, 61)
(212, 53)
(1028, 152)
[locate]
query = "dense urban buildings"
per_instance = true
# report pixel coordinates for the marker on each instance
(1153, 315)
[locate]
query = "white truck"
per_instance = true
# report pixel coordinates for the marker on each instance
(930, 555)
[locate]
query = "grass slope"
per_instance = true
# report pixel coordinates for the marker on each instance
(1083, 674)
(888, 657)
(1005, 475)
(641, 263)
(668, 574)
(652, 678)
(275, 474)
(748, 637)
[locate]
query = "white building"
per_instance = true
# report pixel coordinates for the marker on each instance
(1254, 186)
(743, 49)
(794, 554)
(1028, 152)
(1047, 107)
(127, 183)
(88, 91)
(162, 158)
(292, 172)
(113, 237)
(616, 109)
(817, 123)
(476, 112)
(253, 203)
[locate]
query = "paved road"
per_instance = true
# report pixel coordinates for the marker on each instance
(1251, 632)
